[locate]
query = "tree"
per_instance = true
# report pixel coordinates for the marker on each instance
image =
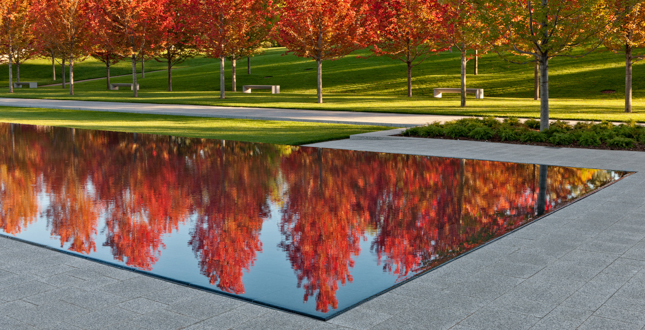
(462, 30)
(405, 31)
(322, 30)
(24, 44)
(543, 29)
(66, 23)
(177, 36)
(13, 13)
(136, 20)
(628, 37)
(108, 43)
(227, 28)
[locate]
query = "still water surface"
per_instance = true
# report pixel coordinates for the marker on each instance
(309, 230)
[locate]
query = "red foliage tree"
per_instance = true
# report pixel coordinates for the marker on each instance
(322, 30)
(405, 31)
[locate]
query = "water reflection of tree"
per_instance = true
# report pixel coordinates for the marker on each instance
(231, 184)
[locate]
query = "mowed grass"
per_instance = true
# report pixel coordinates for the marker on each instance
(360, 82)
(278, 132)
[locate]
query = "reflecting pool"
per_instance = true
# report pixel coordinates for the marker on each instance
(310, 230)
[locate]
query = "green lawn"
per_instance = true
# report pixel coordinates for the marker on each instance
(279, 132)
(377, 84)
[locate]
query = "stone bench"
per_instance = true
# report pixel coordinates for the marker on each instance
(479, 92)
(115, 87)
(275, 89)
(30, 84)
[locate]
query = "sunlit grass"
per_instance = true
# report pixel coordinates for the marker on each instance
(279, 132)
(377, 84)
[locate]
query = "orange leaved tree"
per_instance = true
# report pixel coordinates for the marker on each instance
(405, 31)
(66, 24)
(322, 30)
(627, 36)
(12, 14)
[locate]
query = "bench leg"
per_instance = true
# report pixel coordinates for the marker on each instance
(438, 95)
(246, 91)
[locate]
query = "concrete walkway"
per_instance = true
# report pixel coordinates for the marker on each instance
(319, 116)
(582, 267)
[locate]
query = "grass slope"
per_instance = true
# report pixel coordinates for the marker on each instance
(278, 132)
(377, 84)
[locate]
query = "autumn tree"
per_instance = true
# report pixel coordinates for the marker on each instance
(108, 43)
(543, 30)
(322, 30)
(66, 23)
(136, 20)
(405, 31)
(226, 27)
(462, 30)
(176, 41)
(25, 44)
(628, 37)
(13, 15)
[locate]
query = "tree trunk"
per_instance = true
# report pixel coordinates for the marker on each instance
(544, 93)
(476, 62)
(234, 79)
(541, 200)
(107, 69)
(143, 67)
(18, 71)
(10, 70)
(169, 75)
(134, 75)
(319, 80)
(536, 80)
(409, 78)
(628, 78)
(53, 66)
(222, 80)
(71, 76)
(464, 62)
(248, 65)
(64, 74)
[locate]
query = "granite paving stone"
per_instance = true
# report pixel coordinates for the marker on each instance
(104, 318)
(25, 289)
(500, 320)
(205, 306)
(562, 318)
(601, 323)
(142, 305)
(159, 320)
(7, 323)
(135, 287)
(232, 318)
(623, 309)
(277, 320)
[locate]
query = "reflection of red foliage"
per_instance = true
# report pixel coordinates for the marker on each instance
(322, 222)
(226, 237)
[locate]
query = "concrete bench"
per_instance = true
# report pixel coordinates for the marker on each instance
(115, 87)
(275, 89)
(30, 84)
(479, 92)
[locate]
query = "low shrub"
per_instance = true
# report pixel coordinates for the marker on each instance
(532, 124)
(589, 139)
(481, 133)
(532, 136)
(581, 125)
(607, 135)
(621, 142)
(562, 139)
(412, 131)
(491, 122)
(625, 131)
(561, 125)
(602, 126)
(456, 131)
(506, 134)
(433, 130)
(512, 122)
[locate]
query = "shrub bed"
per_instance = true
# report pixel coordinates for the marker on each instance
(603, 135)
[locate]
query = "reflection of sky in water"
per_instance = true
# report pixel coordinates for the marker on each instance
(438, 202)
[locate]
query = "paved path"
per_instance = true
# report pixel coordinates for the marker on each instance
(581, 267)
(343, 117)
